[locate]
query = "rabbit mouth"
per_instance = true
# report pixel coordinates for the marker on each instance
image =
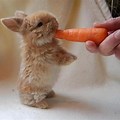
(51, 32)
(51, 29)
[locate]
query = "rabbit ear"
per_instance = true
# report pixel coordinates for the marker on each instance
(13, 24)
(20, 14)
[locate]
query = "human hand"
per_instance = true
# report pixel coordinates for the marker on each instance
(111, 45)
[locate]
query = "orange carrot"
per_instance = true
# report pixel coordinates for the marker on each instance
(83, 34)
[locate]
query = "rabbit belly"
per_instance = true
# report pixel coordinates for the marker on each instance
(46, 78)
(40, 76)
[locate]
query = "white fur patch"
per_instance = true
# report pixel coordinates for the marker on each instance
(41, 42)
(40, 78)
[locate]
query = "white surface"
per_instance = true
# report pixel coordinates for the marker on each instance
(73, 101)
(92, 103)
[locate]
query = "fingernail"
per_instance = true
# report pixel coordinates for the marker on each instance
(117, 34)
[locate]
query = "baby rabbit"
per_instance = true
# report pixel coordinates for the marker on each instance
(42, 56)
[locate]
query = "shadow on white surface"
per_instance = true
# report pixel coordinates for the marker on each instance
(95, 103)
(68, 103)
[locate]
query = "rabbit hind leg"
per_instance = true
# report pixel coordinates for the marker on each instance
(34, 100)
(51, 94)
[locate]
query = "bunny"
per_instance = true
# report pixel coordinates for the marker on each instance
(41, 56)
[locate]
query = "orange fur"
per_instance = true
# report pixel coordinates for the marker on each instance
(41, 56)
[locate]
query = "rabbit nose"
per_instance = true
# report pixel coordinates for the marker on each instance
(52, 27)
(55, 23)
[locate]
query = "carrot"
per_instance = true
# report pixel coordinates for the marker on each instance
(83, 34)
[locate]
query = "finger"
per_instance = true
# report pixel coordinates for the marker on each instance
(117, 52)
(91, 47)
(108, 45)
(111, 24)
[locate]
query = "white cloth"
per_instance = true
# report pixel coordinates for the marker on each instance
(89, 68)
(78, 95)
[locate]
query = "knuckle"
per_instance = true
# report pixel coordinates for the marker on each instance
(117, 52)
(116, 35)
(104, 52)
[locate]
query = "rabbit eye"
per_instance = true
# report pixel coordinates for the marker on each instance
(39, 24)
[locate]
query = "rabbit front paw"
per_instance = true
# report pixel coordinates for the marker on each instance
(68, 59)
